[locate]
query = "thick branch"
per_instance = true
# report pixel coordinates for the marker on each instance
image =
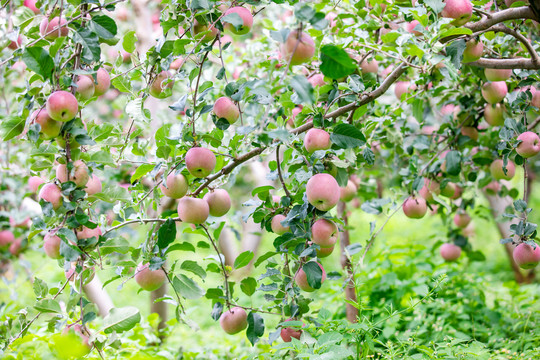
(524, 12)
(506, 64)
(501, 28)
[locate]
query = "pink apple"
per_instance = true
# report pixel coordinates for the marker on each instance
(497, 172)
(192, 210)
(430, 187)
(16, 247)
(49, 127)
(85, 87)
(450, 252)
(103, 82)
(51, 245)
(176, 186)
(462, 219)
(177, 63)
(200, 162)
(6, 237)
(322, 191)
(301, 279)
(324, 233)
(535, 101)
(460, 10)
(348, 192)
(34, 182)
(317, 139)
(161, 83)
(403, 87)
(31, 4)
(233, 321)
(225, 108)
(87, 233)
(473, 51)
(298, 48)
(494, 114)
(149, 280)
(276, 224)
(317, 80)
(247, 20)
(287, 333)
(411, 26)
(415, 207)
(449, 190)
(62, 106)
(219, 202)
(87, 273)
(93, 186)
(51, 193)
(492, 188)
(51, 28)
(78, 174)
(497, 74)
(526, 257)
(494, 92)
(529, 145)
(371, 66)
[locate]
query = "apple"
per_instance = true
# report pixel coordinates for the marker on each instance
(287, 333)
(301, 279)
(93, 186)
(78, 174)
(369, 66)
(276, 224)
(85, 87)
(34, 182)
(403, 87)
(149, 280)
(449, 190)
(458, 191)
(226, 109)
(87, 233)
(317, 80)
(199, 28)
(324, 233)
(298, 48)
(450, 109)
(6, 237)
(492, 188)
(526, 257)
(103, 82)
(430, 187)
(158, 87)
(71, 274)
(462, 219)
(325, 252)
(31, 4)
(322, 191)
(176, 186)
(450, 252)
(192, 210)
(14, 45)
(52, 27)
(234, 320)
(219, 202)
(460, 10)
(247, 20)
(529, 145)
(494, 114)
(411, 26)
(51, 245)
(348, 192)
(496, 169)
(473, 50)
(79, 343)
(470, 132)
(497, 74)
(49, 127)
(51, 193)
(415, 207)
(535, 101)
(16, 247)
(62, 106)
(200, 162)
(494, 92)
(317, 139)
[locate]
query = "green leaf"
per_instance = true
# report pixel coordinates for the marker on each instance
(90, 44)
(243, 259)
(141, 171)
(121, 319)
(39, 61)
(347, 136)
(48, 306)
(436, 5)
(255, 327)
(303, 90)
(40, 288)
(336, 63)
(314, 274)
(186, 287)
(166, 233)
(264, 257)
(455, 32)
(129, 40)
(113, 194)
(194, 267)
(118, 244)
(248, 286)
(103, 26)
(11, 126)
(453, 162)
(234, 19)
(455, 52)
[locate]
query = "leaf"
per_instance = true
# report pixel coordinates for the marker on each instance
(347, 136)
(121, 319)
(180, 104)
(11, 126)
(255, 327)
(314, 274)
(113, 194)
(90, 44)
(336, 63)
(303, 89)
(141, 171)
(234, 19)
(103, 26)
(248, 286)
(186, 287)
(243, 259)
(48, 306)
(264, 257)
(166, 233)
(455, 52)
(129, 40)
(192, 266)
(453, 162)
(436, 5)
(40, 288)
(39, 61)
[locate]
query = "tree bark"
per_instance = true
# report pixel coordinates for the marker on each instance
(350, 288)
(160, 307)
(96, 294)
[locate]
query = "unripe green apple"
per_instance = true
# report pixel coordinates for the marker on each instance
(49, 127)
(219, 202)
(462, 219)
(79, 174)
(324, 233)
(6, 237)
(276, 224)
(494, 114)
(298, 48)
(51, 193)
(85, 87)
(450, 252)
(93, 186)
(225, 108)
(415, 207)
(160, 83)
(62, 106)
(325, 252)
(494, 92)
(473, 51)
(103, 82)
(247, 20)
(301, 279)
(176, 186)
(525, 256)
(287, 333)
(200, 162)
(51, 245)
(497, 171)
(233, 321)
(199, 28)
(470, 132)
(149, 280)
(322, 191)
(497, 74)
(460, 10)
(348, 192)
(317, 139)
(193, 210)
(47, 26)
(449, 190)
(529, 145)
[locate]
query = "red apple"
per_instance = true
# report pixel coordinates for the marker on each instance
(51, 245)
(193, 210)
(298, 48)
(176, 186)
(450, 252)
(497, 171)
(403, 87)
(348, 192)
(460, 10)
(199, 28)
(324, 233)
(6, 237)
(411, 26)
(78, 174)
(34, 182)
(322, 191)
(415, 207)
(93, 186)
(14, 45)
(317, 139)
(200, 162)
(494, 92)
(462, 219)
(276, 224)
(160, 84)
(301, 279)
(51, 193)
(49, 127)
(219, 202)
(371, 66)
(62, 106)
(317, 80)
(325, 252)
(529, 145)
(526, 257)
(247, 20)
(85, 87)
(233, 321)
(149, 280)
(51, 28)
(103, 82)
(31, 4)
(87, 233)
(225, 108)
(287, 333)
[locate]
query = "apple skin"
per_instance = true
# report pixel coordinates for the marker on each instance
(200, 28)
(324, 233)
(79, 174)
(525, 256)
(430, 187)
(219, 202)
(496, 169)
(233, 321)
(246, 17)
(530, 144)
(49, 127)
(51, 193)
(449, 190)
(93, 186)
(31, 4)
(462, 219)
(450, 252)
(317, 139)
(149, 280)
(6, 237)
(473, 51)
(193, 210)
(62, 106)
(494, 92)
(369, 66)
(225, 108)
(415, 207)
(301, 279)
(157, 88)
(288, 333)
(317, 80)
(497, 74)
(325, 252)
(87, 233)
(348, 192)
(535, 101)
(403, 87)
(276, 224)
(304, 44)
(494, 114)
(177, 186)
(492, 188)
(51, 245)
(34, 182)
(85, 87)
(200, 162)
(470, 132)
(103, 82)
(322, 191)
(410, 26)
(460, 10)
(47, 26)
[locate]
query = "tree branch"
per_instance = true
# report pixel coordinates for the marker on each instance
(520, 63)
(524, 12)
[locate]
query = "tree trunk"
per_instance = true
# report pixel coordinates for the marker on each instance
(96, 294)
(350, 288)
(160, 307)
